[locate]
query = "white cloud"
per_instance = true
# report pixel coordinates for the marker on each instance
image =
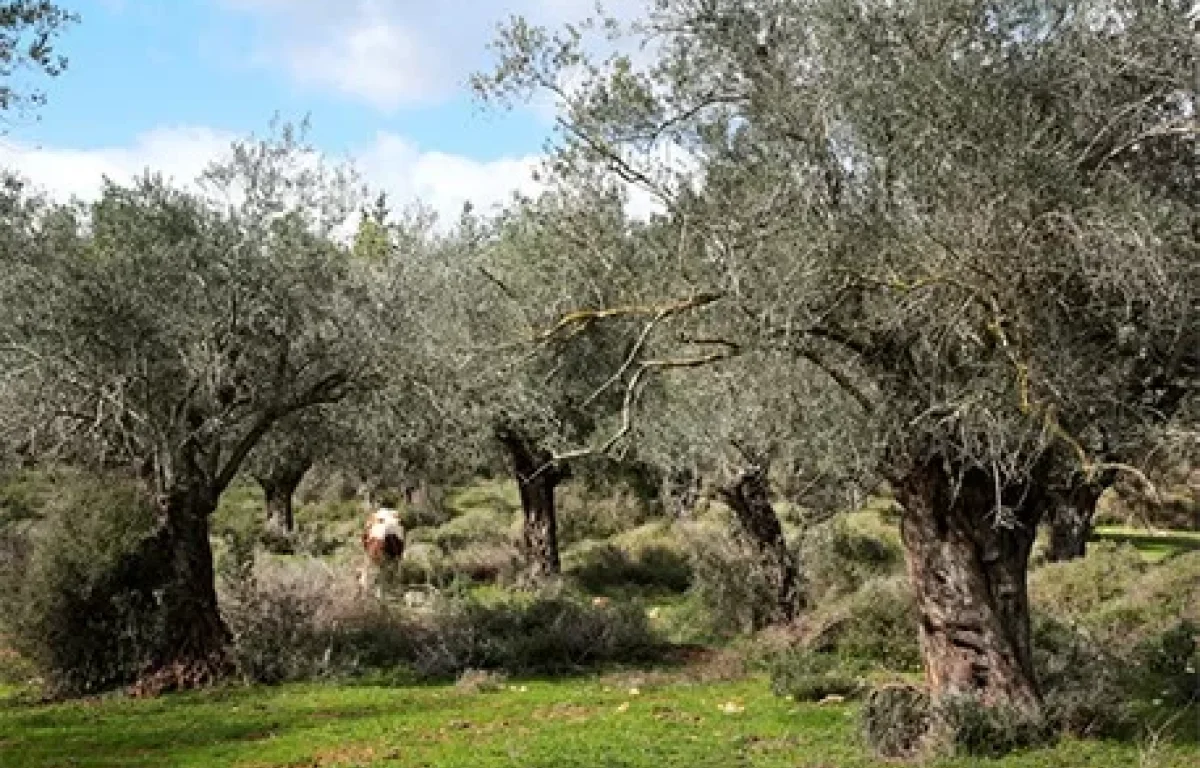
(443, 181)
(179, 153)
(389, 163)
(394, 53)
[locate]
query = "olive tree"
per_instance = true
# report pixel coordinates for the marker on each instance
(510, 386)
(957, 212)
(28, 32)
(381, 433)
(173, 329)
(753, 427)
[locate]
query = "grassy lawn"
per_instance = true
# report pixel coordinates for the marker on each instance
(1154, 545)
(582, 722)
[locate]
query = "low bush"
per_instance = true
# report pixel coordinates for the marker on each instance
(882, 627)
(585, 514)
(1077, 588)
(731, 592)
(895, 721)
(807, 676)
(966, 726)
(838, 558)
(1085, 685)
(473, 681)
(876, 626)
(1171, 665)
(548, 633)
(298, 619)
(602, 566)
(479, 526)
(484, 563)
(76, 600)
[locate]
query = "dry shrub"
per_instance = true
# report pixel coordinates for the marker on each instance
(77, 601)
(547, 633)
(298, 619)
(485, 563)
(807, 676)
(473, 681)
(1103, 651)
(967, 726)
(895, 721)
(477, 526)
(585, 514)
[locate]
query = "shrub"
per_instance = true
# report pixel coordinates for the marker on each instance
(479, 526)
(272, 613)
(585, 514)
(877, 626)
(728, 585)
(78, 602)
(485, 563)
(1079, 587)
(473, 681)
(839, 558)
(1084, 685)
(598, 567)
(1172, 664)
(549, 633)
(895, 721)
(298, 619)
(882, 627)
(966, 725)
(806, 676)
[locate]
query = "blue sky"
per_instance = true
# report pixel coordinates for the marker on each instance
(168, 83)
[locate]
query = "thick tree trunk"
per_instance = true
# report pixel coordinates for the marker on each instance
(279, 488)
(968, 573)
(537, 477)
(194, 651)
(1071, 515)
(748, 497)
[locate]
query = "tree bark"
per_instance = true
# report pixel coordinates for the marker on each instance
(749, 498)
(537, 478)
(1071, 514)
(194, 651)
(968, 573)
(279, 488)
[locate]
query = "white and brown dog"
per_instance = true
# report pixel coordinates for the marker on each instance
(383, 542)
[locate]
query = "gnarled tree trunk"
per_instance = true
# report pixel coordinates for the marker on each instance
(194, 651)
(1071, 513)
(279, 488)
(968, 573)
(749, 498)
(537, 477)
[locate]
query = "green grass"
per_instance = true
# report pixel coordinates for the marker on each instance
(498, 496)
(563, 723)
(1153, 545)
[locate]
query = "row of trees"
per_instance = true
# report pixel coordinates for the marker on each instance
(946, 244)
(949, 246)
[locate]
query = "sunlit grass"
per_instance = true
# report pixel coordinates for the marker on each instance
(598, 721)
